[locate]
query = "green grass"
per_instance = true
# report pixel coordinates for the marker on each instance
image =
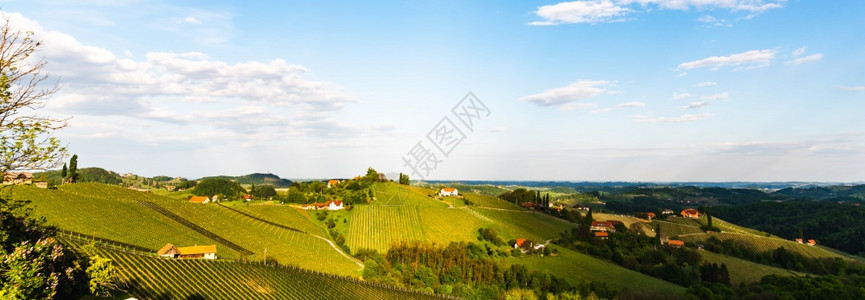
(574, 266)
(378, 227)
(444, 225)
(285, 215)
(150, 277)
(487, 201)
(742, 270)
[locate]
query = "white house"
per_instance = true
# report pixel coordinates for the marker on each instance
(334, 205)
(448, 192)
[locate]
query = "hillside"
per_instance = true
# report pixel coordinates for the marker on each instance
(151, 277)
(257, 179)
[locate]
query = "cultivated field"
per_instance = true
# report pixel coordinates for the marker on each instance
(672, 229)
(157, 278)
(762, 243)
(741, 270)
(377, 226)
(574, 267)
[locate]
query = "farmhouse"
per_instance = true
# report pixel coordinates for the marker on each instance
(41, 184)
(199, 199)
(519, 243)
(690, 213)
(800, 241)
(604, 226)
(602, 235)
(812, 242)
(17, 178)
(667, 212)
(332, 183)
(676, 243)
(448, 192)
(205, 252)
(334, 205)
(247, 197)
(650, 215)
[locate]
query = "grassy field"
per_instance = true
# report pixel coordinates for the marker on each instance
(443, 225)
(377, 226)
(574, 266)
(487, 201)
(742, 270)
(284, 214)
(150, 277)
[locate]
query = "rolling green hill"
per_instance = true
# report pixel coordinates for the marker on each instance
(257, 179)
(151, 277)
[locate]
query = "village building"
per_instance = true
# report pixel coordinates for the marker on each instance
(676, 243)
(602, 235)
(519, 243)
(199, 199)
(332, 183)
(690, 213)
(812, 242)
(448, 192)
(11, 178)
(192, 252)
(329, 205)
(529, 205)
(604, 225)
(667, 212)
(650, 215)
(247, 197)
(334, 205)
(41, 184)
(800, 241)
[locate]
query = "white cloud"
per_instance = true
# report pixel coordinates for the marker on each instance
(798, 52)
(248, 96)
(679, 119)
(851, 88)
(695, 105)
(605, 11)
(619, 106)
(805, 59)
(498, 129)
(711, 21)
(680, 96)
(576, 91)
(191, 20)
(714, 97)
(590, 11)
(707, 83)
(751, 59)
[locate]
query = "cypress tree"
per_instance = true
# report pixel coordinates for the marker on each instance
(64, 171)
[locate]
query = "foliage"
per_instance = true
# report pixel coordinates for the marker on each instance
(264, 191)
(403, 179)
(212, 186)
(490, 235)
(836, 225)
(26, 140)
(103, 275)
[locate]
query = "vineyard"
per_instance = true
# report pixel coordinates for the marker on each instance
(575, 267)
(150, 221)
(525, 224)
(392, 194)
(283, 214)
(762, 243)
(676, 229)
(109, 215)
(742, 270)
(377, 227)
(446, 225)
(487, 201)
(150, 277)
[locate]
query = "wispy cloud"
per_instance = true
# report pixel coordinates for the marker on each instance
(606, 11)
(714, 97)
(706, 83)
(191, 20)
(805, 59)
(576, 91)
(619, 106)
(851, 88)
(679, 119)
(591, 11)
(680, 96)
(710, 21)
(747, 59)
(695, 105)
(798, 52)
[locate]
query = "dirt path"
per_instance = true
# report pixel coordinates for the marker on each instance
(359, 264)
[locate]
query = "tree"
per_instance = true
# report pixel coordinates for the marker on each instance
(403, 179)
(589, 215)
(72, 176)
(26, 141)
(103, 276)
(38, 270)
(64, 171)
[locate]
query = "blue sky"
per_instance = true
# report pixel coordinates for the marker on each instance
(648, 90)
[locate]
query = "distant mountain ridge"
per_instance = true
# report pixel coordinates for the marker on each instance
(257, 179)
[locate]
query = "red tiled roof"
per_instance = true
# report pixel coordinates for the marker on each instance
(651, 214)
(167, 249)
(332, 181)
(197, 199)
(449, 190)
(812, 242)
(197, 249)
(600, 224)
(520, 242)
(601, 234)
(676, 243)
